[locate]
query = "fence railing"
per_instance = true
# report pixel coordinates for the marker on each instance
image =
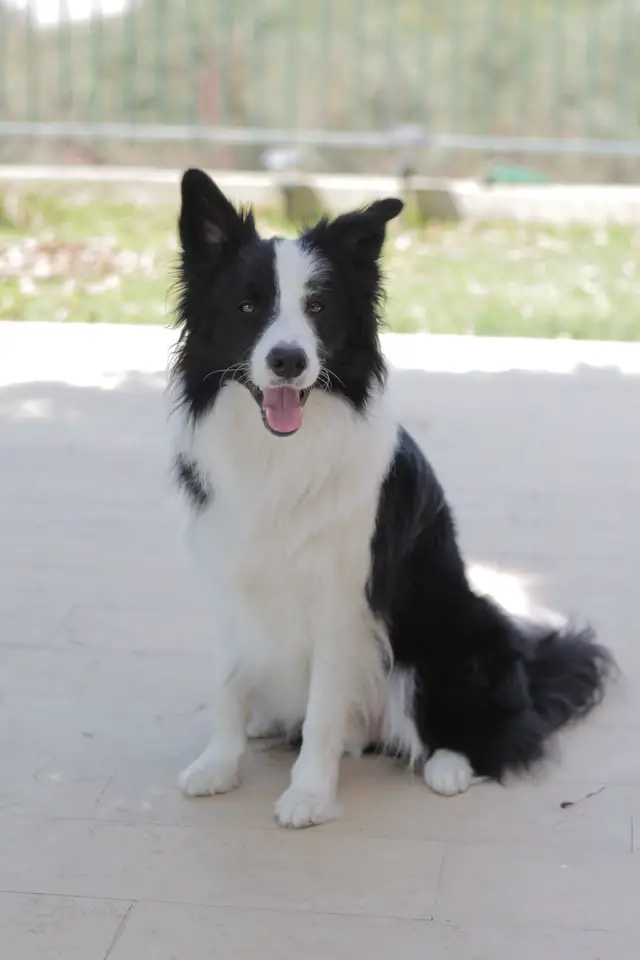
(347, 76)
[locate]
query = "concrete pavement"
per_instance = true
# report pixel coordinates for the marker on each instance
(104, 693)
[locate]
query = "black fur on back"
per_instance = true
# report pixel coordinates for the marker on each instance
(487, 686)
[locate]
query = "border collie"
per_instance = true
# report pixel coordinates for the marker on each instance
(343, 612)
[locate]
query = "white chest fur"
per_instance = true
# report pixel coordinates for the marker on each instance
(283, 546)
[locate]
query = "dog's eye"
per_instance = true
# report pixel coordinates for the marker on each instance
(315, 306)
(247, 306)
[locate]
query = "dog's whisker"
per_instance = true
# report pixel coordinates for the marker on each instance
(232, 369)
(335, 376)
(324, 379)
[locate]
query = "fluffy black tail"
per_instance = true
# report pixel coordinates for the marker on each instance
(567, 672)
(558, 675)
(501, 687)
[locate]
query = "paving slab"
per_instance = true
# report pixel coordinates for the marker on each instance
(104, 693)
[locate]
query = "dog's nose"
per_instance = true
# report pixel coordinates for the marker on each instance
(287, 360)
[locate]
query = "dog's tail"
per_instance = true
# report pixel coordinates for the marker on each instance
(567, 669)
(534, 673)
(567, 672)
(559, 674)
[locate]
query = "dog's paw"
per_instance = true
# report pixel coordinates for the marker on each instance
(209, 774)
(300, 808)
(448, 773)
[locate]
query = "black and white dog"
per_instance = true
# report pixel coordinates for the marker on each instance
(343, 610)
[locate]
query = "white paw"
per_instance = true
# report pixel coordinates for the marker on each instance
(448, 773)
(209, 774)
(300, 808)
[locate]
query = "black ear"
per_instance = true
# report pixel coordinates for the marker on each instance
(362, 232)
(209, 224)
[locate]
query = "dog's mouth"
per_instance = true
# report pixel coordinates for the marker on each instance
(281, 408)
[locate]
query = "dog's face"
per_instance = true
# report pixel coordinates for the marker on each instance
(281, 317)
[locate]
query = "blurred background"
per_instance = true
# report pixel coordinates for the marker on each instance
(352, 84)
(512, 128)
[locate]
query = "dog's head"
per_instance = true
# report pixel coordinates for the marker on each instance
(281, 317)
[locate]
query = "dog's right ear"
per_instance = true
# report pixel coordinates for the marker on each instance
(210, 226)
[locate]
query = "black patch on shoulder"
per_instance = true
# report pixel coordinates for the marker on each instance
(192, 482)
(411, 502)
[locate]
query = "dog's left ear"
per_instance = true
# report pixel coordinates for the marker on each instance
(361, 233)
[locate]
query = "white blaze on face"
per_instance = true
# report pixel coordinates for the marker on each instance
(294, 270)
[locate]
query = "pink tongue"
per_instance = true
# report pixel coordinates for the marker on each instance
(282, 409)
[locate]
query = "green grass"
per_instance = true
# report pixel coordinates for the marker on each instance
(113, 263)
(519, 280)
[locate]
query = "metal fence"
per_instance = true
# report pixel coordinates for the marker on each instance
(351, 82)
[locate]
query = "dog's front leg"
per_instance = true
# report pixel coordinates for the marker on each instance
(311, 797)
(217, 769)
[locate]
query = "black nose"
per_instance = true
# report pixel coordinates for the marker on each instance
(287, 360)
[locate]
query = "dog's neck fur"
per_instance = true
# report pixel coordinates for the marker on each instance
(245, 463)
